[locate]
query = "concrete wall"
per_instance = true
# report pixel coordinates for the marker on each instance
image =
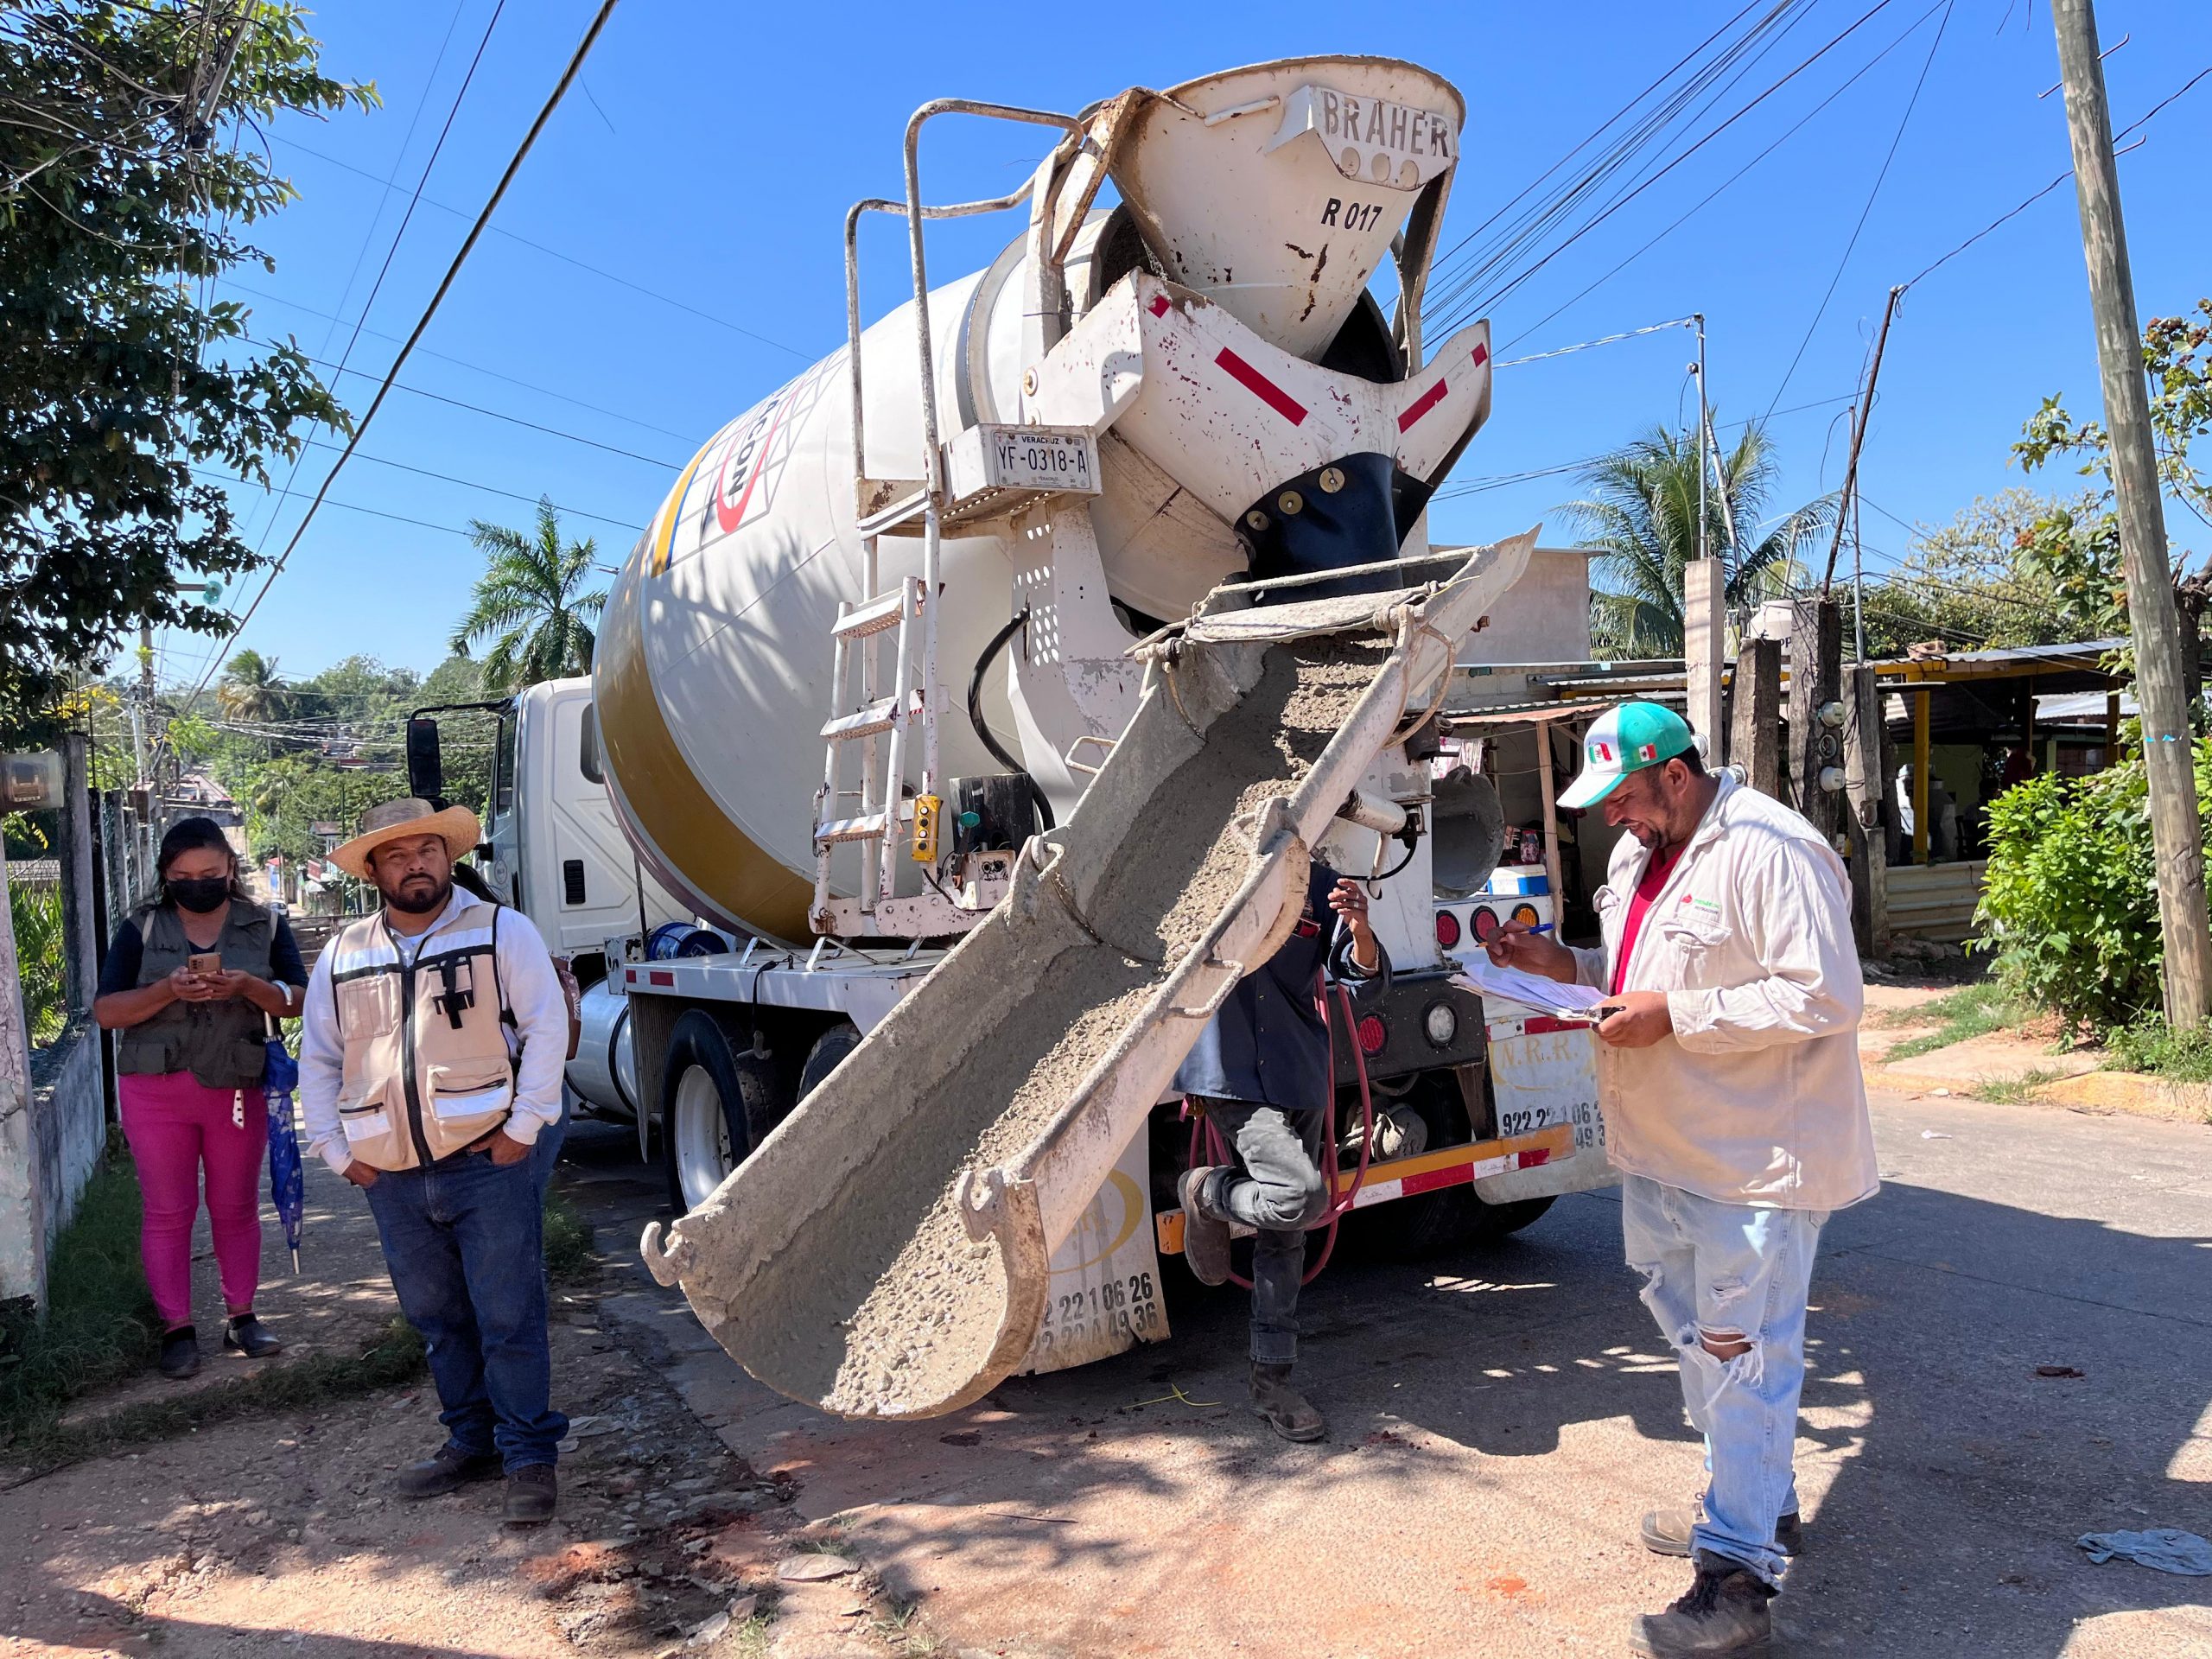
(68, 1119)
(1544, 617)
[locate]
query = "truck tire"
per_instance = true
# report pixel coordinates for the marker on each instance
(716, 1105)
(1429, 1223)
(831, 1046)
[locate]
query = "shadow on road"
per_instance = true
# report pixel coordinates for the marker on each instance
(1523, 1390)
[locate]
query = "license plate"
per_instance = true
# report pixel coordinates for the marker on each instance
(1043, 461)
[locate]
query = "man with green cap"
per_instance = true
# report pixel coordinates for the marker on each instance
(1728, 1065)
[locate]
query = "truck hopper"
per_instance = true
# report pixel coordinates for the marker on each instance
(884, 1252)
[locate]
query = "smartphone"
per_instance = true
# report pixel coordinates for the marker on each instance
(204, 961)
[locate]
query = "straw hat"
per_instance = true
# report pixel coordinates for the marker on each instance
(395, 821)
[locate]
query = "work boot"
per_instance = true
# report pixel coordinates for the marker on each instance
(1667, 1532)
(446, 1470)
(1290, 1413)
(533, 1490)
(1205, 1235)
(246, 1335)
(180, 1355)
(1723, 1616)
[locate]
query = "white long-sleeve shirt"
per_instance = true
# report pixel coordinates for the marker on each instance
(539, 1036)
(1757, 1098)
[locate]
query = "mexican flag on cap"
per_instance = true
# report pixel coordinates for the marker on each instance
(1624, 740)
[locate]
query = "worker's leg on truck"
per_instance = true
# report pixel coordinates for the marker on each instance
(1277, 1191)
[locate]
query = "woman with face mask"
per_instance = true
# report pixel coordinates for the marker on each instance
(190, 1058)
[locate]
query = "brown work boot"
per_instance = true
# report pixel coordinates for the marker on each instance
(446, 1470)
(1205, 1235)
(1723, 1616)
(532, 1492)
(1667, 1532)
(1290, 1413)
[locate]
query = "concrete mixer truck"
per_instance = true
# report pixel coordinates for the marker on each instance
(970, 705)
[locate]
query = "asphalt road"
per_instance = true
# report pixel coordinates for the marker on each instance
(1499, 1420)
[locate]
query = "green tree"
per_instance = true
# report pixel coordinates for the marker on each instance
(251, 689)
(530, 603)
(1971, 582)
(127, 395)
(1639, 515)
(2075, 548)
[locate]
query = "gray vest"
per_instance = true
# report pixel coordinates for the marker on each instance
(219, 1043)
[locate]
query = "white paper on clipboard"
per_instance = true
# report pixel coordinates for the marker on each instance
(1549, 997)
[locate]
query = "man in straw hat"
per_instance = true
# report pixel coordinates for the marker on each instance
(436, 1038)
(1728, 1062)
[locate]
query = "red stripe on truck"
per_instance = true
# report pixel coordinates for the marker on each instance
(1422, 404)
(1261, 387)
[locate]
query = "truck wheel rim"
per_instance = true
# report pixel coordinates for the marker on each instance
(702, 1149)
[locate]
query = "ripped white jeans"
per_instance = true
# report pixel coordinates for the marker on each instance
(1730, 1278)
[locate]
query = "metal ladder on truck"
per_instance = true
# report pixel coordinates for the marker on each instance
(969, 483)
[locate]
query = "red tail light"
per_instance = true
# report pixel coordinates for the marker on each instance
(1373, 1034)
(1448, 929)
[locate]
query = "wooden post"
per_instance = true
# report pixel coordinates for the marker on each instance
(1923, 695)
(1870, 847)
(1815, 684)
(1551, 822)
(1704, 647)
(2175, 832)
(2112, 727)
(1755, 742)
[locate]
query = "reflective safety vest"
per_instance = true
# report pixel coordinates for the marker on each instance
(427, 1065)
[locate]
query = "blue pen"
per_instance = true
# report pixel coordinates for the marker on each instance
(1541, 927)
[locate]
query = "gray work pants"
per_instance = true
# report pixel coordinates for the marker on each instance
(1278, 1193)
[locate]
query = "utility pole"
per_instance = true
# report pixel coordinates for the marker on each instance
(2168, 753)
(1860, 417)
(142, 710)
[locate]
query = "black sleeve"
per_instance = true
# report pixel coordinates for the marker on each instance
(119, 967)
(285, 966)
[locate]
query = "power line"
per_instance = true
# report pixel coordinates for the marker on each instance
(476, 368)
(570, 259)
(478, 409)
(1903, 121)
(453, 271)
(1729, 183)
(489, 489)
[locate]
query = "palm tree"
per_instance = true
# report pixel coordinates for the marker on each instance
(1640, 517)
(251, 689)
(527, 604)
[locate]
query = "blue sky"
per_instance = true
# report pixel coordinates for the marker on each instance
(712, 150)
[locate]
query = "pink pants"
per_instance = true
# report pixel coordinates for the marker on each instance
(175, 1124)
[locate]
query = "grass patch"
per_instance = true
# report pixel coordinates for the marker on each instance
(100, 1325)
(568, 1241)
(393, 1357)
(2015, 1092)
(2152, 1046)
(1970, 1011)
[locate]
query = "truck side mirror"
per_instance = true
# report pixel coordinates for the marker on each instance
(426, 770)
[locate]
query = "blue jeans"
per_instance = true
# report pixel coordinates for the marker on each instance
(465, 1241)
(1727, 1273)
(545, 1151)
(1278, 1194)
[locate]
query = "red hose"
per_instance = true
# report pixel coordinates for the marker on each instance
(1218, 1152)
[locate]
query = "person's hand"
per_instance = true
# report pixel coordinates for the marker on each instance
(1639, 1018)
(503, 1147)
(1349, 900)
(1514, 945)
(188, 986)
(361, 1175)
(230, 983)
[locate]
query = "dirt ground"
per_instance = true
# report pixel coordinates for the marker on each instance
(279, 1536)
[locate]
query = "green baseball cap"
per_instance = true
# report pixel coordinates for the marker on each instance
(1624, 740)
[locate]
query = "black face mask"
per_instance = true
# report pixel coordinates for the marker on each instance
(200, 896)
